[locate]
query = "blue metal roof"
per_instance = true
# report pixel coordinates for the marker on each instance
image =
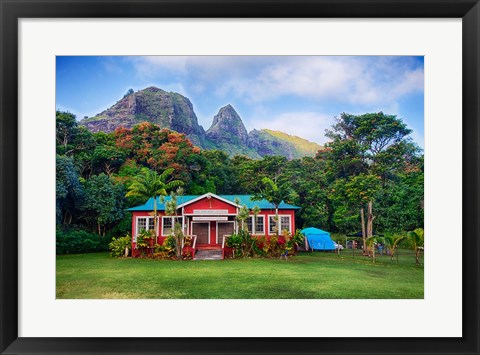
(314, 231)
(244, 200)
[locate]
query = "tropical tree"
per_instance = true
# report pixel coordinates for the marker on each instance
(373, 142)
(255, 211)
(365, 157)
(370, 242)
(66, 126)
(107, 158)
(171, 210)
(242, 215)
(393, 240)
(149, 184)
(104, 202)
(245, 240)
(275, 194)
(417, 238)
(69, 190)
(308, 180)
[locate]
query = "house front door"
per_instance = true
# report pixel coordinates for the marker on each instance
(201, 231)
(224, 228)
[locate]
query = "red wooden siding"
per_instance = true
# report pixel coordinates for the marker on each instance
(268, 213)
(210, 204)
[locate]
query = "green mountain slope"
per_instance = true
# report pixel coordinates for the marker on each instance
(174, 111)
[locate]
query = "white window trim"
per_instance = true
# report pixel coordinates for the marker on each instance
(136, 225)
(173, 224)
(289, 221)
(254, 229)
(270, 232)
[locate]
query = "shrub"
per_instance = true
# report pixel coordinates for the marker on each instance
(79, 241)
(117, 246)
(298, 238)
(275, 246)
(258, 246)
(166, 250)
(143, 240)
(236, 242)
(170, 245)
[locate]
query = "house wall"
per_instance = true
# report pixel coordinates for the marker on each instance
(160, 237)
(136, 214)
(210, 204)
(213, 232)
(271, 212)
(206, 204)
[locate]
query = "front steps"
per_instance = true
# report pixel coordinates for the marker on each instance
(208, 254)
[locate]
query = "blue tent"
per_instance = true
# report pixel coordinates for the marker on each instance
(318, 239)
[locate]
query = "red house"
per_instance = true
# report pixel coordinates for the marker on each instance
(210, 217)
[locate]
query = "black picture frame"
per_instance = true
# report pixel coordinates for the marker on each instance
(11, 11)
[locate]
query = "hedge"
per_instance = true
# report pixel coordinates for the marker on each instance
(80, 241)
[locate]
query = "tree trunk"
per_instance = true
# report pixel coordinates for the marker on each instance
(364, 235)
(370, 219)
(417, 255)
(373, 251)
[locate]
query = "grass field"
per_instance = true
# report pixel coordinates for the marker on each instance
(305, 276)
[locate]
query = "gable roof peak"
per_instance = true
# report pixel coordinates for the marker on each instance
(208, 195)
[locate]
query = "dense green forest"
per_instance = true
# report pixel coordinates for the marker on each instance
(369, 157)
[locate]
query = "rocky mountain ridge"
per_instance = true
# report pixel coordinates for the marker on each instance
(174, 111)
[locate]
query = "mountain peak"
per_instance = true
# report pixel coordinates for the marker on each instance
(228, 127)
(227, 107)
(165, 109)
(152, 89)
(174, 111)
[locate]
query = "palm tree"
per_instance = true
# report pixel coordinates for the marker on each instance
(393, 241)
(149, 184)
(171, 207)
(275, 194)
(417, 238)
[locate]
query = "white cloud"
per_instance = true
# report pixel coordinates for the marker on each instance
(307, 125)
(151, 65)
(111, 66)
(354, 80)
(411, 81)
(298, 85)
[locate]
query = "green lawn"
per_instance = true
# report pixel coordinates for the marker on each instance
(305, 276)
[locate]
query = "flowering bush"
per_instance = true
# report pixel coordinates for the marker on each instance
(118, 245)
(144, 241)
(167, 249)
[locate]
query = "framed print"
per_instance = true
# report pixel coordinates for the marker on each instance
(135, 86)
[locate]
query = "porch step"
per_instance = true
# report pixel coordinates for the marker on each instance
(208, 254)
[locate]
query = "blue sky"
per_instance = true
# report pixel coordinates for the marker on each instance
(299, 95)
